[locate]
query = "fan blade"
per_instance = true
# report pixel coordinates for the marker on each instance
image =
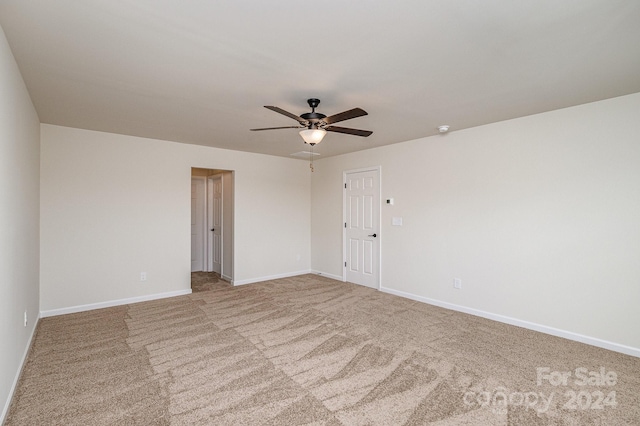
(346, 115)
(274, 128)
(283, 112)
(356, 132)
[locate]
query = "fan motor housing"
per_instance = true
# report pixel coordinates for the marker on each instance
(313, 116)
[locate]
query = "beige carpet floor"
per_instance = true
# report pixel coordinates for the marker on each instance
(309, 350)
(205, 281)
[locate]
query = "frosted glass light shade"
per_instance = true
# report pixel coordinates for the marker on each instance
(313, 136)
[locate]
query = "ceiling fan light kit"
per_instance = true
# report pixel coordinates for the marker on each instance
(313, 136)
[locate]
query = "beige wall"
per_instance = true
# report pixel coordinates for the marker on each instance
(114, 206)
(19, 220)
(539, 217)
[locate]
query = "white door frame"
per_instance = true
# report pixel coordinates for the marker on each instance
(203, 227)
(344, 220)
(209, 215)
(209, 221)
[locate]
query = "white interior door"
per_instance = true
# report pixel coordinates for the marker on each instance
(362, 227)
(197, 223)
(214, 186)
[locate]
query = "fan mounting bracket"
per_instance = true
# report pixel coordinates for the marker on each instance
(313, 103)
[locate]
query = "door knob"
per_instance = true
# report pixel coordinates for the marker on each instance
(212, 229)
(373, 235)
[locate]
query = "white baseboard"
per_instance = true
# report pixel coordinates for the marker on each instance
(325, 274)
(227, 278)
(110, 303)
(593, 341)
(270, 277)
(5, 409)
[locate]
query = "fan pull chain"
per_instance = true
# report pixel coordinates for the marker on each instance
(311, 159)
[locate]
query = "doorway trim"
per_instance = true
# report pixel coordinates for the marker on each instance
(209, 223)
(227, 265)
(201, 228)
(377, 169)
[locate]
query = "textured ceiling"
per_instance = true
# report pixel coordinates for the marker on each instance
(200, 71)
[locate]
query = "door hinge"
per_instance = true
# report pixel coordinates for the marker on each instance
(345, 224)
(345, 264)
(345, 186)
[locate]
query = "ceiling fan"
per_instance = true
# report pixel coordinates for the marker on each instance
(316, 125)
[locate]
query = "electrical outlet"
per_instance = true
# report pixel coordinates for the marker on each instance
(143, 276)
(26, 321)
(457, 283)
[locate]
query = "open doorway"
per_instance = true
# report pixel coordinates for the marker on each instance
(211, 228)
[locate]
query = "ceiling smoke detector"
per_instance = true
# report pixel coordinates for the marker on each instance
(443, 129)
